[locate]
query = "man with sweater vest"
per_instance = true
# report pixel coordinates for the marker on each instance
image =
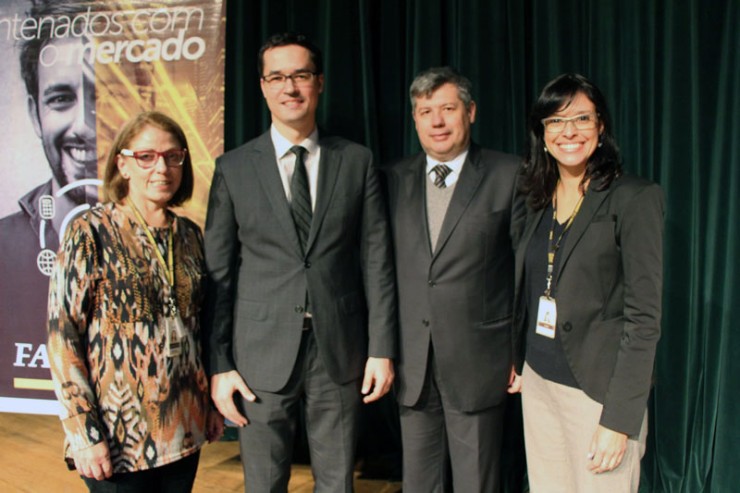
(453, 210)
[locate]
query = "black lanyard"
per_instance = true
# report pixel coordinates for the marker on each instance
(553, 248)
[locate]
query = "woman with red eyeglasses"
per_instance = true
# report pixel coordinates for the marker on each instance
(124, 333)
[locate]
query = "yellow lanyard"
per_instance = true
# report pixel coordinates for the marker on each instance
(552, 249)
(169, 267)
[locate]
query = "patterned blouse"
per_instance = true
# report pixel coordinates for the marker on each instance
(106, 345)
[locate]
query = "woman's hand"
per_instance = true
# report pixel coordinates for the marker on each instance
(214, 425)
(607, 450)
(94, 462)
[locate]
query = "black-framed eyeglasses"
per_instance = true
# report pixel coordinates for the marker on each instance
(556, 124)
(148, 158)
(302, 78)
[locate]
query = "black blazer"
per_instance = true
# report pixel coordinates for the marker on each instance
(259, 277)
(459, 296)
(608, 290)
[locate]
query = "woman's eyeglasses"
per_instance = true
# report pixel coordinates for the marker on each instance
(148, 158)
(586, 121)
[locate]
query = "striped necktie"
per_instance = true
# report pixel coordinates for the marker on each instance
(440, 173)
(300, 204)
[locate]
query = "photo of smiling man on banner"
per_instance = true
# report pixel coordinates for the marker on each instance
(60, 102)
(74, 72)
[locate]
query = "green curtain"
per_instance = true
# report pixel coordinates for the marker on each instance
(671, 72)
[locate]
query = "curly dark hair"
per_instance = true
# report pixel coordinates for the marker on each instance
(540, 170)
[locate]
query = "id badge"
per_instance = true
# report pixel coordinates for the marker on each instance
(175, 332)
(547, 317)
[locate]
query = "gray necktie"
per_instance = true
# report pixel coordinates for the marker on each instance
(440, 173)
(300, 204)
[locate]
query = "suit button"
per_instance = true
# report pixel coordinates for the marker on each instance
(431, 283)
(425, 323)
(298, 309)
(307, 265)
(567, 327)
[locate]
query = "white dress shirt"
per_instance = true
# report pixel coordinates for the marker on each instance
(455, 165)
(286, 161)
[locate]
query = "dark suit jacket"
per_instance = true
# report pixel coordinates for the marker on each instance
(259, 277)
(460, 296)
(608, 291)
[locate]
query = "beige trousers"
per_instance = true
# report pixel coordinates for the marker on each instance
(559, 424)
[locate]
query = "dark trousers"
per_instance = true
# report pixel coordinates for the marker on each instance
(177, 477)
(437, 438)
(331, 417)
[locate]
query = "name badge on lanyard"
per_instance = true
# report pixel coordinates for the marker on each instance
(174, 328)
(547, 317)
(175, 333)
(547, 311)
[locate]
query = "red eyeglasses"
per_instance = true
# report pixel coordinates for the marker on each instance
(148, 158)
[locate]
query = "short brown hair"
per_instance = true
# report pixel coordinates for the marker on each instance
(115, 187)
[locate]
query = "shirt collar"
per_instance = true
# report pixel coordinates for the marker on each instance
(455, 164)
(283, 145)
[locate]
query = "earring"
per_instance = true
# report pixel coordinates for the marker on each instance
(599, 144)
(545, 149)
(125, 176)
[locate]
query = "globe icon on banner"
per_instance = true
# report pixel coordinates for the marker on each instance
(45, 261)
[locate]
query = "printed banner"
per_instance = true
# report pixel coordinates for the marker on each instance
(73, 73)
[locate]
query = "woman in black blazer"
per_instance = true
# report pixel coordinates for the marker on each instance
(589, 280)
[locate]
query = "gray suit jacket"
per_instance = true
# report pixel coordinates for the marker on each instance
(259, 278)
(460, 296)
(608, 290)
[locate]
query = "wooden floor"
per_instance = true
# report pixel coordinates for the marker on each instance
(31, 450)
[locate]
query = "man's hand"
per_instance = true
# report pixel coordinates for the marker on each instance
(94, 462)
(515, 382)
(378, 377)
(223, 387)
(607, 450)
